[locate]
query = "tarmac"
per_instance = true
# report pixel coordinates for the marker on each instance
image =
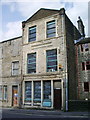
(81, 114)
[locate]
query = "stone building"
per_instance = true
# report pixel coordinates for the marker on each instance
(83, 68)
(10, 64)
(49, 74)
(38, 69)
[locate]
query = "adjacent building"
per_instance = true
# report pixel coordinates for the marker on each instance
(83, 68)
(38, 69)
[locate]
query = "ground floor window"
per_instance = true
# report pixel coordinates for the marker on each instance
(3, 92)
(37, 91)
(33, 93)
(28, 90)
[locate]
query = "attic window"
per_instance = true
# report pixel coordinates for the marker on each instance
(32, 34)
(51, 29)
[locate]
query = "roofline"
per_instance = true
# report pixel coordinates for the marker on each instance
(11, 39)
(83, 42)
(38, 11)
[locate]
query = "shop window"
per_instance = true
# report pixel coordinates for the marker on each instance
(47, 90)
(51, 29)
(86, 86)
(32, 34)
(28, 91)
(31, 64)
(51, 56)
(15, 68)
(37, 91)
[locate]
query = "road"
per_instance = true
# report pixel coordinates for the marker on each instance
(41, 115)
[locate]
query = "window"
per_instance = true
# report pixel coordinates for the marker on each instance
(28, 91)
(5, 92)
(51, 60)
(81, 47)
(51, 29)
(31, 65)
(47, 90)
(15, 68)
(37, 91)
(32, 34)
(86, 65)
(84, 47)
(83, 66)
(1, 90)
(86, 86)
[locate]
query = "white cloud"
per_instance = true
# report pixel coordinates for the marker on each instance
(14, 29)
(26, 8)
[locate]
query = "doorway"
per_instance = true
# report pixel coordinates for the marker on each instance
(57, 99)
(15, 96)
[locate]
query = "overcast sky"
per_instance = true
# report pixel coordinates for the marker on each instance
(13, 12)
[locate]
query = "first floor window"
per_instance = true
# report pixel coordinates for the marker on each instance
(31, 63)
(51, 56)
(15, 68)
(28, 91)
(86, 86)
(47, 90)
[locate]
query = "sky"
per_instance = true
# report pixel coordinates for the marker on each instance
(13, 12)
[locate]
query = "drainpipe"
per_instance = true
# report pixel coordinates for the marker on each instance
(62, 14)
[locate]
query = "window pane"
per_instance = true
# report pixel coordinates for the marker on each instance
(47, 90)
(31, 63)
(15, 68)
(86, 86)
(5, 92)
(32, 34)
(28, 91)
(37, 91)
(83, 66)
(51, 60)
(0, 92)
(51, 29)
(88, 65)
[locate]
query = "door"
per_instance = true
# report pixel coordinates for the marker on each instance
(15, 96)
(57, 99)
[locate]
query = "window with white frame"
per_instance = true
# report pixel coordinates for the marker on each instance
(51, 29)
(86, 65)
(15, 68)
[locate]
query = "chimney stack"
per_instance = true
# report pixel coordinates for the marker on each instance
(81, 27)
